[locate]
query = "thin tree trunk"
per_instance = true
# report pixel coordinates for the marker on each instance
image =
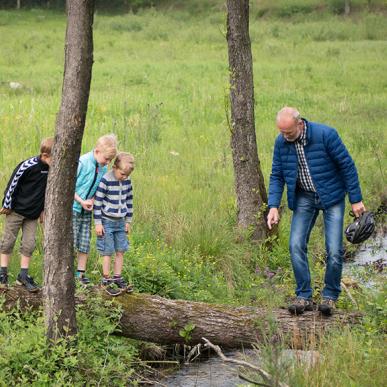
(18, 4)
(160, 320)
(59, 304)
(249, 183)
(347, 7)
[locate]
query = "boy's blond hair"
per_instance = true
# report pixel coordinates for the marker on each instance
(107, 145)
(46, 146)
(124, 161)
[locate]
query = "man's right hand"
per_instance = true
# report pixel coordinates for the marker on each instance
(272, 217)
(87, 204)
(5, 211)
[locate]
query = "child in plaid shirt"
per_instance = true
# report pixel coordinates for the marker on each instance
(113, 211)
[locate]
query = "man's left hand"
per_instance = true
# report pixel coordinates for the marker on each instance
(358, 209)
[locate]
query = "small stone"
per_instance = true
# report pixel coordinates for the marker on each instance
(15, 85)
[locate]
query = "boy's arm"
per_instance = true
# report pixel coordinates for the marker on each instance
(85, 204)
(77, 198)
(13, 183)
(129, 204)
(98, 199)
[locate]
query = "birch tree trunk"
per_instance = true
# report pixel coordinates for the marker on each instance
(59, 303)
(249, 183)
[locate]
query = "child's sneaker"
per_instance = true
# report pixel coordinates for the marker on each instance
(121, 283)
(84, 281)
(110, 287)
(28, 282)
(3, 281)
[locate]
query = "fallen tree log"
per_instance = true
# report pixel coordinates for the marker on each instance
(164, 321)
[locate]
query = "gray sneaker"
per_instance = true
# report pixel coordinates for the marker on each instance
(327, 306)
(300, 305)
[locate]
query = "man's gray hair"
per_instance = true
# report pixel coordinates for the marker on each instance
(289, 112)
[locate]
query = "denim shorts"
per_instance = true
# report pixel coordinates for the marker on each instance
(114, 238)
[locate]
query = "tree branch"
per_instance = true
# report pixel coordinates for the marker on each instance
(265, 375)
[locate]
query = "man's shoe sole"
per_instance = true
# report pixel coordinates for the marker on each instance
(29, 290)
(326, 312)
(295, 312)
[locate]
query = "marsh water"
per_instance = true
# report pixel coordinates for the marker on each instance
(213, 372)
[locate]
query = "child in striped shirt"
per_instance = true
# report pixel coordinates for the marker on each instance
(113, 211)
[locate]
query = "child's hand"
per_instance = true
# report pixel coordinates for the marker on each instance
(99, 230)
(5, 211)
(127, 228)
(87, 204)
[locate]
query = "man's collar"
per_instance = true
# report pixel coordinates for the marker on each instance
(303, 139)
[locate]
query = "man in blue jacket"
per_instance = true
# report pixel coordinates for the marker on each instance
(318, 171)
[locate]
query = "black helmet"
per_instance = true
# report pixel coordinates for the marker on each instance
(361, 229)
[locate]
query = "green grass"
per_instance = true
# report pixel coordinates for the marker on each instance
(160, 81)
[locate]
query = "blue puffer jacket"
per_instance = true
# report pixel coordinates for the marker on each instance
(331, 167)
(87, 180)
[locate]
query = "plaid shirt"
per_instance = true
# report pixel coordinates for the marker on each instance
(304, 179)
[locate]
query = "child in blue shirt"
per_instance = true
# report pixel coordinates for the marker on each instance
(92, 166)
(113, 211)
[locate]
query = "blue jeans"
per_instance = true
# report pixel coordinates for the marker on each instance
(114, 239)
(308, 206)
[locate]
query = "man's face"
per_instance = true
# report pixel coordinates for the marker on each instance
(291, 129)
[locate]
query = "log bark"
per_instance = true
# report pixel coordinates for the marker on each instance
(59, 303)
(249, 183)
(159, 320)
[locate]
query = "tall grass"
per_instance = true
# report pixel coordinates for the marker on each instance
(160, 80)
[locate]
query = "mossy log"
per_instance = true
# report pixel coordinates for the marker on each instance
(164, 321)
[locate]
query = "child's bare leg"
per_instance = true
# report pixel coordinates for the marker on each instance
(24, 262)
(118, 263)
(106, 266)
(82, 260)
(4, 260)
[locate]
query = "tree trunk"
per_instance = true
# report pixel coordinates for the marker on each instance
(59, 304)
(249, 183)
(18, 5)
(347, 7)
(159, 320)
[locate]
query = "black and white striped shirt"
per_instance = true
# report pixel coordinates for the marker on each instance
(304, 179)
(113, 199)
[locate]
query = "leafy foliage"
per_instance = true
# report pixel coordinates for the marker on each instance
(95, 354)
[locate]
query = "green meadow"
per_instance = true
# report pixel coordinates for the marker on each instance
(160, 83)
